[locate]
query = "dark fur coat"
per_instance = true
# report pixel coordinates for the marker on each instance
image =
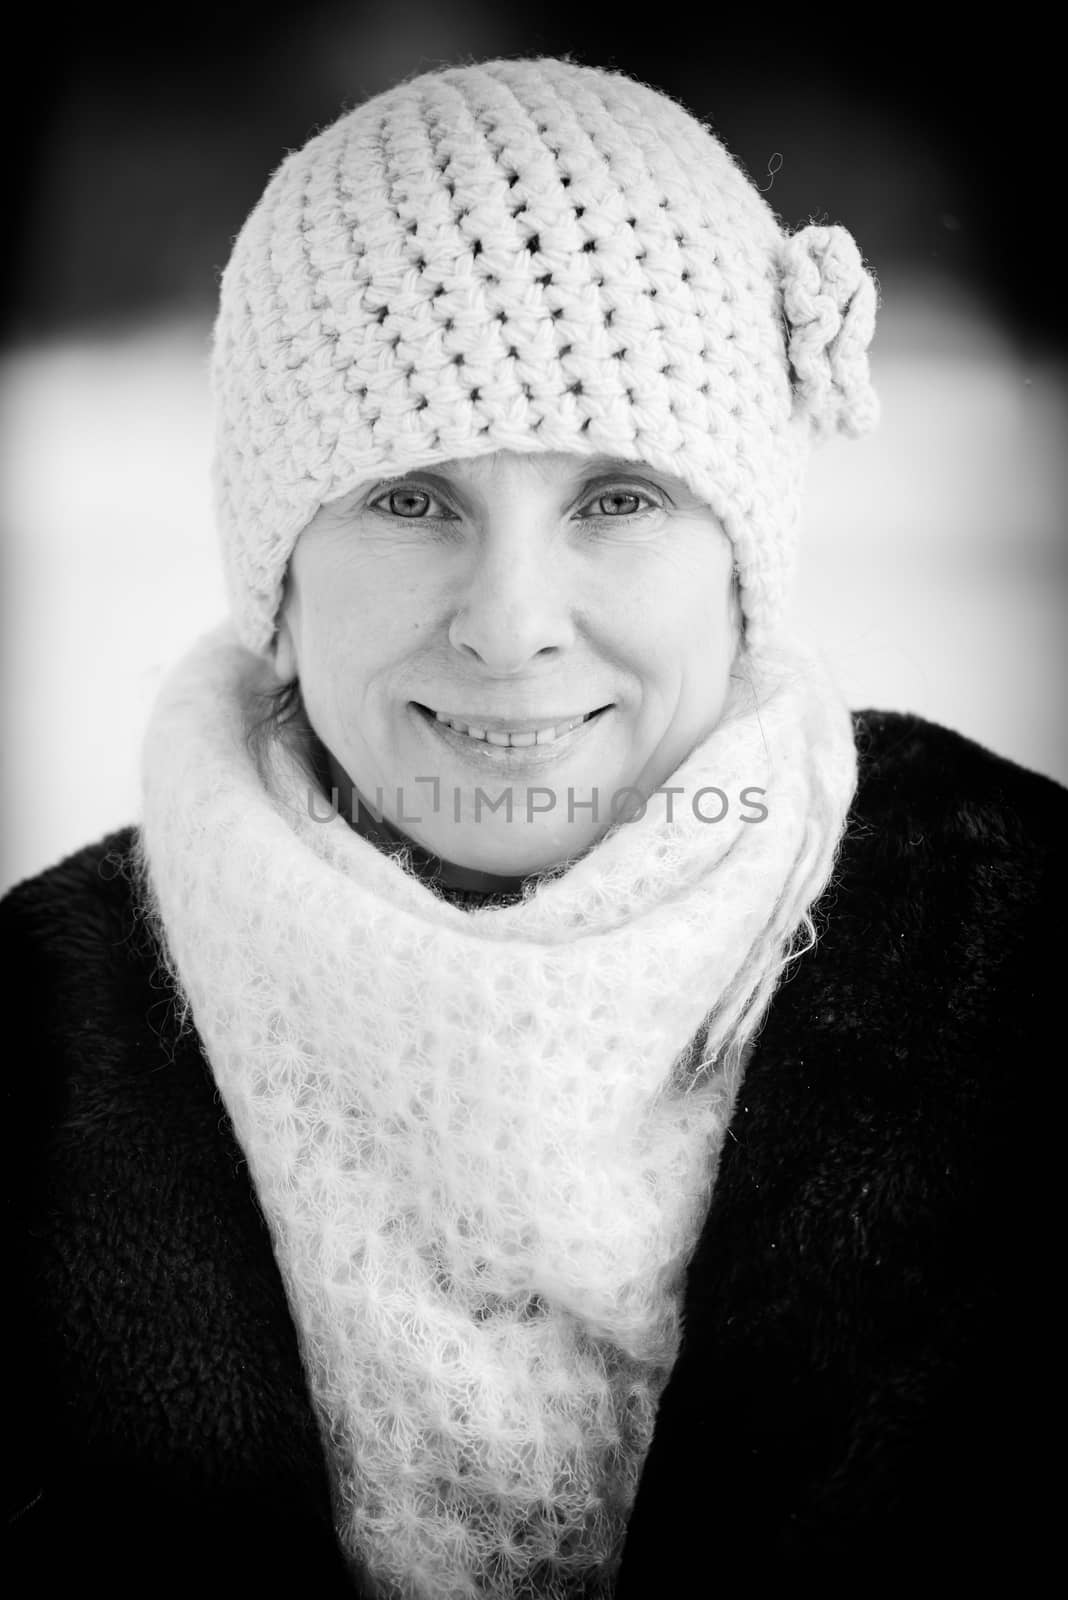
(863, 1395)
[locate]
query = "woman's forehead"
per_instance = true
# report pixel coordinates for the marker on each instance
(542, 466)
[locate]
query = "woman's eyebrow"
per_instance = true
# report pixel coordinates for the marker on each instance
(619, 466)
(601, 464)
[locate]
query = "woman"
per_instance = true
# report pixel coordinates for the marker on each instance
(433, 1185)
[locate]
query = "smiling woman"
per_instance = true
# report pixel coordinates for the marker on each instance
(432, 1187)
(510, 621)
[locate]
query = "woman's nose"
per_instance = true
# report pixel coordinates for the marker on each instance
(514, 606)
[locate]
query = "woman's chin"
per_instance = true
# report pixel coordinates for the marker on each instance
(509, 812)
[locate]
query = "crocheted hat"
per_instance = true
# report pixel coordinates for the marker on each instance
(527, 255)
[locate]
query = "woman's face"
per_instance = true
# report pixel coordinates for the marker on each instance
(513, 595)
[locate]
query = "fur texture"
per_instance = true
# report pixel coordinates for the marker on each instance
(860, 1394)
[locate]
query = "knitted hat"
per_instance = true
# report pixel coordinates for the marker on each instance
(527, 255)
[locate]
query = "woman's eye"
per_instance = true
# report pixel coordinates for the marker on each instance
(411, 503)
(621, 503)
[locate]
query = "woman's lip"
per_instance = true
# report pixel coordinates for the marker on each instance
(506, 758)
(505, 724)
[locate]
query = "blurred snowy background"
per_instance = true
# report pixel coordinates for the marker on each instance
(935, 565)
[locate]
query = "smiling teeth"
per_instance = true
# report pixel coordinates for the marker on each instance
(512, 740)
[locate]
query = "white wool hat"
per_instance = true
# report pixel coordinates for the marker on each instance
(527, 255)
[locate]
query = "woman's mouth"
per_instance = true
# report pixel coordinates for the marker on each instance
(493, 740)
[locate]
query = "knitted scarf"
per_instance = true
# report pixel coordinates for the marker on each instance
(484, 1141)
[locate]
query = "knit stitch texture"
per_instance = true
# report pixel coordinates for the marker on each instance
(483, 1209)
(527, 255)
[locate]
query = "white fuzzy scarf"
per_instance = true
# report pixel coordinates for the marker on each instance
(484, 1141)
